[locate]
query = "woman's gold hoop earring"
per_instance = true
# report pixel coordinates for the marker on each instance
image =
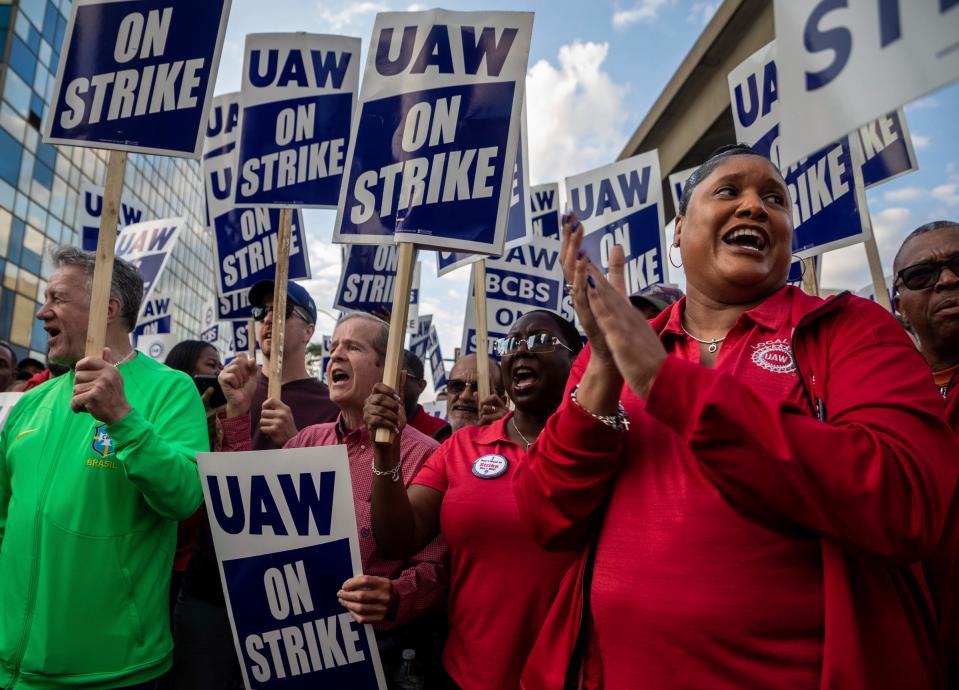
(670, 255)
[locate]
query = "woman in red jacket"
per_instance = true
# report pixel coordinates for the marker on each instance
(784, 469)
(502, 583)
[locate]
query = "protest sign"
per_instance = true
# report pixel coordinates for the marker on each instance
(156, 345)
(677, 182)
(326, 353)
(137, 75)
(437, 408)
(846, 63)
(419, 337)
(219, 155)
(826, 188)
(298, 95)
(526, 278)
(366, 281)
(434, 140)
(90, 208)
(7, 401)
(155, 317)
(622, 204)
(243, 339)
(887, 149)
(412, 316)
(544, 202)
(435, 357)
(148, 246)
(284, 530)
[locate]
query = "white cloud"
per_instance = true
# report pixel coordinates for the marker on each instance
(847, 268)
(702, 12)
(416, 7)
(920, 141)
(642, 11)
(946, 193)
(576, 114)
(898, 196)
(339, 18)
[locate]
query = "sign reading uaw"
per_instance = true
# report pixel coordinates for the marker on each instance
(433, 149)
(137, 75)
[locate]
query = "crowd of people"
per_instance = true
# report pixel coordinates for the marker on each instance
(740, 487)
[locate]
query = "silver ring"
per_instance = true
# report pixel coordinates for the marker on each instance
(568, 287)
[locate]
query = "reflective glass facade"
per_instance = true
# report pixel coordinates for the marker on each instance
(39, 186)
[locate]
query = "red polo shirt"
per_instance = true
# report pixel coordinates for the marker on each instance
(502, 583)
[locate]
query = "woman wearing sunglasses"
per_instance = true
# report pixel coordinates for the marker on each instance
(502, 584)
(763, 470)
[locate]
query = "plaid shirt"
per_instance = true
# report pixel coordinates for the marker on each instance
(422, 582)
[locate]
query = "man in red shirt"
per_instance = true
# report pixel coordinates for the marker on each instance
(416, 416)
(926, 273)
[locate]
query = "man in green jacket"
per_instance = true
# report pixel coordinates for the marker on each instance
(96, 468)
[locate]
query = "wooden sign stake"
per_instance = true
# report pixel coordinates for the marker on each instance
(810, 281)
(106, 250)
(482, 335)
(401, 306)
(251, 338)
(279, 303)
(878, 277)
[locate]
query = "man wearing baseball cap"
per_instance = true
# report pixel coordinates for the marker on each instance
(204, 655)
(653, 299)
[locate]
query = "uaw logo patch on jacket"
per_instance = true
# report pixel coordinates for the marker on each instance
(102, 443)
(775, 356)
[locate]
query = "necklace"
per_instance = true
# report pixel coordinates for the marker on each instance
(713, 343)
(126, 357)
(516, 429)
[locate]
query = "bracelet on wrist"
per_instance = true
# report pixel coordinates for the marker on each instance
(618, 421)
(393, 473)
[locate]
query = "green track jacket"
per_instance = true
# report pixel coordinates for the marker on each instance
(88, 519)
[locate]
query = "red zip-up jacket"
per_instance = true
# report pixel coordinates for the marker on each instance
(870, 485)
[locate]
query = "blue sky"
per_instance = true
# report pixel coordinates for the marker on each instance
(595, 69)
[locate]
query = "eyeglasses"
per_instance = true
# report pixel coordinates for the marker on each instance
(923, 276)
(259, 313)
(539, 342)
(457, 386)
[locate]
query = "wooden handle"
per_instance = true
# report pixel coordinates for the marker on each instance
(279, 303)
(482, 334)
(810, 281)
(106, 248)
(401, 307)
(251, 338)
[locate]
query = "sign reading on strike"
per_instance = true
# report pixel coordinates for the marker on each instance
(434, 140)
(844, 63)
(90, 208)
(544, 202)
(298, 96)
(137, 75)
(284, 529)
(366, 281)
(826, 188)
(622, 204)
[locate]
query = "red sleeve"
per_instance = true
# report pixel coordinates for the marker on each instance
(236, 434)
(876, 478)
(568, 473)
(433, 472)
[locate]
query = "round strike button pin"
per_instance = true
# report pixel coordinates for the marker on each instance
(490, 466)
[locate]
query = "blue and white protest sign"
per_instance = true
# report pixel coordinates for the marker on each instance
(434, 140)
(90, 207)
(544, 203)
(887, 149)
(241, 336)
(211, 327)
(284, 529)
(137, 75)
(677, 183)
(828, 198)
(245, 243)
(366, 281)
(155, 317)
(7, 401)
(527, 277)
(148, 246)
(219, 155)
(622, 204)
(435, 357)
(298, 91)
(156, 345)
(326, 354)
(844, 63)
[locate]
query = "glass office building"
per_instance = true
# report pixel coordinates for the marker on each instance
(39, 186)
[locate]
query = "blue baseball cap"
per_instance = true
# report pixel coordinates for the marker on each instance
(295, 293)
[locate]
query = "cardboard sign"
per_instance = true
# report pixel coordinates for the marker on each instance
(219, 155)
(846, 63)
(366, 281)
(528, 277)
(828, 198)
(284, 529)
(298, 96)
(90, 207)
(137, 75)
(7, 401)
(434, 140)
(155, 317)
(622, 204)
(544, 202)
(148, 246)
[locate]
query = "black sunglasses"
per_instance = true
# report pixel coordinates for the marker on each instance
(924, 275)
(259, 313)
(457, 386)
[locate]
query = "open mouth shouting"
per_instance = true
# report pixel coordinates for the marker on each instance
(525, 376)
(752, 238)
(53, 335)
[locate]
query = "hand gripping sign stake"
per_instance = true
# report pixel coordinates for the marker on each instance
(106, 246)
(482, 334)
(279, 303)
(406, 257)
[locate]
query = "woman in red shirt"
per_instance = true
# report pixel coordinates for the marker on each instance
(501, 582)
(785, 468)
